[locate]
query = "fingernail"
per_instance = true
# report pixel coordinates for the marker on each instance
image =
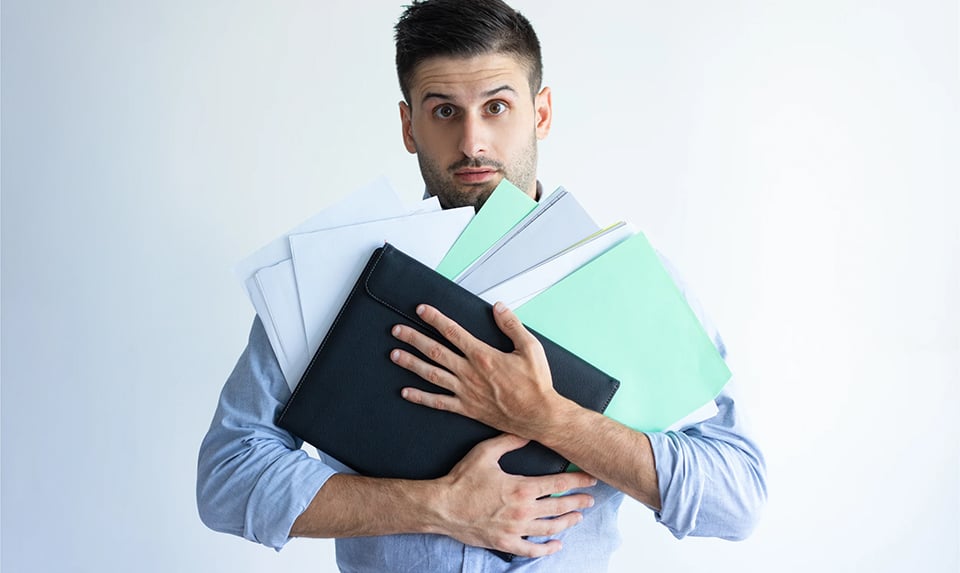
(396, 330)
(405, 393)
(395, 355)
(499, 307)
(420, 309)
(592, 501)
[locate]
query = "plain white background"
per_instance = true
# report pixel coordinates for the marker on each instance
(796, 160)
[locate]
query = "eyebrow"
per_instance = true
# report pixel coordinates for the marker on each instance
(488, 93)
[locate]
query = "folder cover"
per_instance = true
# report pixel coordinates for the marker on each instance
(348, 401)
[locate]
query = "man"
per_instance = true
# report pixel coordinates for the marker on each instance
(473, 112)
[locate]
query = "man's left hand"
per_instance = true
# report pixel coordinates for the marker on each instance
(508, 391)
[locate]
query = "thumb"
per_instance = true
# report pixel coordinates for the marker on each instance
(494, 448)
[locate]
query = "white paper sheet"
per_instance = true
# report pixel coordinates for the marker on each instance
(376, 200)
(275, 295)
(277, 286)
(327, 263)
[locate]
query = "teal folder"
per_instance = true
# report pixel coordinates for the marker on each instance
(623, 313)
(505, 207)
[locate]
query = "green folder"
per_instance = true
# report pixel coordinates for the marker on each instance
(505, 207)
(623, 313)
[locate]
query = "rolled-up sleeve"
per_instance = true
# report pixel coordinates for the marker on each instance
(712, 477)
(253, 480)
(711, 474)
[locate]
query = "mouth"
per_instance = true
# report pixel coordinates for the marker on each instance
(475, 175)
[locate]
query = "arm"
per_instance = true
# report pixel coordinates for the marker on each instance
(254, 481)
(668, 472)
(477, 504)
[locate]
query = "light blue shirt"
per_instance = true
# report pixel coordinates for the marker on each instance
(253, 480)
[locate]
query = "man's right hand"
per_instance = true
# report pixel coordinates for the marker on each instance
(481, 505)
(477, 503)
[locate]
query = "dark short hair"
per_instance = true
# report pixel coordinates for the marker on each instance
(429, 28)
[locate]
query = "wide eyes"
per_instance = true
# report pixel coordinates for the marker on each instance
(445, 111)
(448, 111)
(496, 107)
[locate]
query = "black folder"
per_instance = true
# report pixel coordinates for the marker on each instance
(348, 401)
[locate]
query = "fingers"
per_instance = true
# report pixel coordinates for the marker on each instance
(554, 525)
(549, 525)
(495, 448)
(429, 347)
(510, 324)
(524, 548)
(560, 483)
(456, 334)
(552, 507)
(432, 374)
(431, 400)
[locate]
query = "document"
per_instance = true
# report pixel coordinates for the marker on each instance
(326, 263)
(556, 223)
(623, 313)
(348, 403)
(517, 290)
(376, 200)
(505, 207)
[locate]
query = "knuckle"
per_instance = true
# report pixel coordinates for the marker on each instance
(433, 376)
(516, 515)
(525, 491)
(555, 526)
(484, 361)
(435, 352)
(504, 541)
(560, 485)
(451, 332)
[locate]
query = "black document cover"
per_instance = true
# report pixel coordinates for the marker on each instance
(348, 402)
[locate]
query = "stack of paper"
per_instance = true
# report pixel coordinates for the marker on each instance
(601, 293)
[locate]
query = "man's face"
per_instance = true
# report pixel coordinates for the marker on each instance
(472, 122)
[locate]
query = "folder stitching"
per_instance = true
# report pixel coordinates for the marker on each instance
(366, 286)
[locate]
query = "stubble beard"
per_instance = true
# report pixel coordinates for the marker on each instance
(440, 181)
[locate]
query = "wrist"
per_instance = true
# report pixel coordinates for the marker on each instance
(552, 420)
(429, 500)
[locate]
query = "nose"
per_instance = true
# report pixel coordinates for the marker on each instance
(473, 140)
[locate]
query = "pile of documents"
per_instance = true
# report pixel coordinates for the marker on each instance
(603, 293)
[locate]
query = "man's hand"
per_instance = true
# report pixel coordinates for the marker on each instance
(481, 505)
(508, 391)
(514, 392)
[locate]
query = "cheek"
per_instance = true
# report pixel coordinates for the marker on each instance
(433, 139)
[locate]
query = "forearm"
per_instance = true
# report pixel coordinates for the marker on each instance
(357, 506)
(603, 448)
(476, 503)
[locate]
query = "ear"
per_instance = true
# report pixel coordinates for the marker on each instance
(543, 107)
(406, 124)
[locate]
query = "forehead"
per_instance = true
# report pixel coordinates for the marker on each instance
(468, 77)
